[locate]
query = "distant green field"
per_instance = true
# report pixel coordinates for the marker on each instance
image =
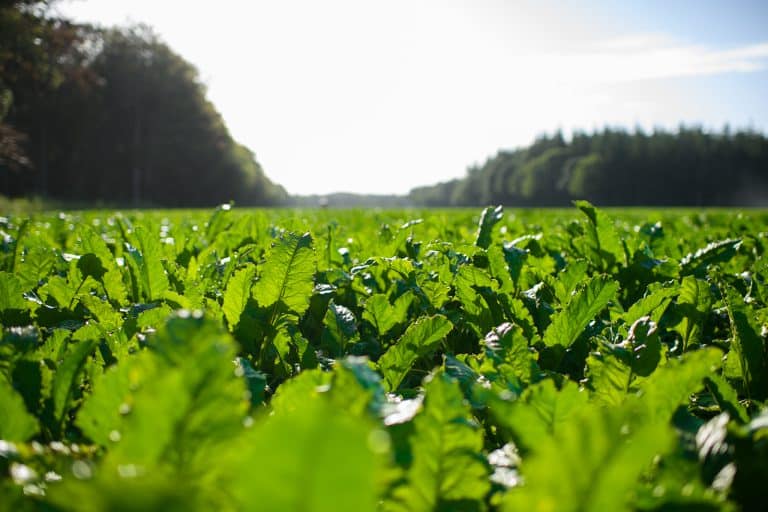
(409, 360)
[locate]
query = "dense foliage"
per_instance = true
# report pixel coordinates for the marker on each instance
(615, 167)
(363, 360)
(89, 114)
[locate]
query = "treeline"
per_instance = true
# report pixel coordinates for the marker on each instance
(112, 115)
(689, 167)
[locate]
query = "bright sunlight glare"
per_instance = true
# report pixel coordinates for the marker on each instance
(346, 95)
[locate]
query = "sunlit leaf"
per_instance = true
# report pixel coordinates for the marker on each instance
(569, 323)
(447, 472)
(287, 275)
(418, 340)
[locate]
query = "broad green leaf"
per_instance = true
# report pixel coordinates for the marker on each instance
(100, 415)
(90, 265)
(237, 293)
(488, 219)
(508, 347)
(61, 291)
(571, 321)
(447, 471)
(726, 397)
(596, 460)
(255, 381)
(714, 252)
(287, 275)
(383, 315)
(566, 282)
(673, 383)
(694, 304)
(541, 412)
(299, 390)
(610, 375)
(146, 261)
(109, 319)
(219, 221)
(437, 292)
(154, 317)
(593, 463)
(418, 340)
(315, 458)
(645, 345)
(66, 380)
(11, 292)
(602, 235)
(183, 399)
(616, 370)
(500, 269)
(516, 259)
(339, 327)
(652, 305)
(16, 424)
(747, 344)
(36, 265)
(91, 242)
(467, 279)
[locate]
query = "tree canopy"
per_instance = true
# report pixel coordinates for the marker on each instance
(113, 115)
(616, 167)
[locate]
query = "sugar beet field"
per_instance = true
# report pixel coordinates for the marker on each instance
(451, 360)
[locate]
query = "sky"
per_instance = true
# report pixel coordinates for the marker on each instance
(380, 97)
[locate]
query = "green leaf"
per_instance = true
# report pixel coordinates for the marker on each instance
(146, 260)
(610, 375)
(339, 327)
(596, 460)
(112, 280)
(447, 469)
(592, 463)
(467, 279)
(66, 379)
(714, 252)
(567, 281)
(219, 221)
(383, 315)
(287, 275)
(36, 265)
(255, 381)
(726, 397)
(90, 265)
(673, 383)
(488, 219)
(100, 416)
(747, 344)
(509, 349)
(109, 319)
(694, 303)
(237, 293)
(571, 321)
(11, 292)
(16, 424)
(61, 291)
(176, 404)
(541, 412)
(326, 453)
(653, 305)
(418, 340)
(604, 241)
(615, 370)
